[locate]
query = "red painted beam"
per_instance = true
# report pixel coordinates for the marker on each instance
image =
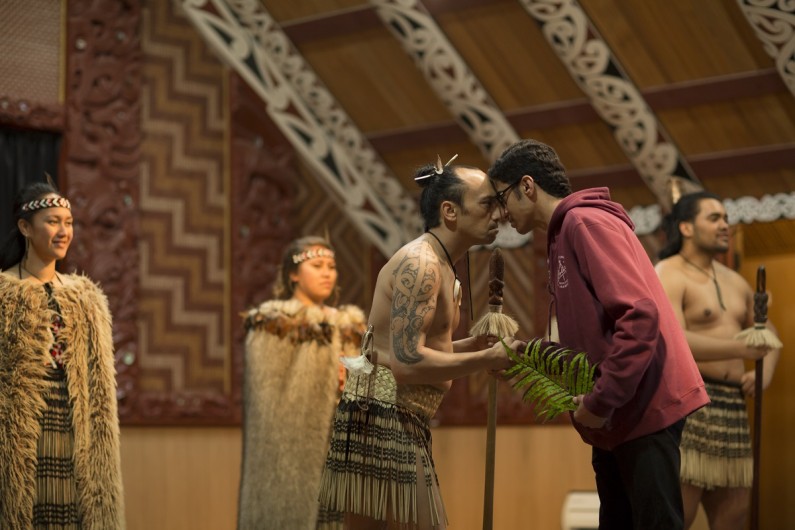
(332, 24)
(361, 18)
(572, 112)
(760, 159)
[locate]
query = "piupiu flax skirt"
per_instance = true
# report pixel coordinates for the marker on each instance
(56, 493)
(380, 434)
(716, 441)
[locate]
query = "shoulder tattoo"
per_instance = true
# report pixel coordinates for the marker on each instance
(413, 300)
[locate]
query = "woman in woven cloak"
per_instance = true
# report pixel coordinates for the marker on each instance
(292, 382)
(59, 431)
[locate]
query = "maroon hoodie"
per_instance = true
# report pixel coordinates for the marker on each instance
(610, 304)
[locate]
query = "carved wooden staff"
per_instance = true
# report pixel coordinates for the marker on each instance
(499, 325)
(760, 337)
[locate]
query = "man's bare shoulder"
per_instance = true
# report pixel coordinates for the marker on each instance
(670, 268)
(673, 278)
(416, 252)
(734, 278)
(723, 269)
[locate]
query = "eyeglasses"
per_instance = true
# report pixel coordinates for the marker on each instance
(499, 195)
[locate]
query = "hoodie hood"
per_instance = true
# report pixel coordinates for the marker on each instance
(588, 198)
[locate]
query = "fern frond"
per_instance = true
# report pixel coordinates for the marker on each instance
(549, 376)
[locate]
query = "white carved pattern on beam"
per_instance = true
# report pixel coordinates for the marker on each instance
(613, 95)
(332, 117)
(774, 24)
(243, 34)
(448, 74)
(744, 210)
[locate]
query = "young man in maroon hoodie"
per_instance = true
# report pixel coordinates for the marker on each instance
(609, 302)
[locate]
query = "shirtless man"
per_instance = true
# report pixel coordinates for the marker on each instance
(379, 471)
(713, 304)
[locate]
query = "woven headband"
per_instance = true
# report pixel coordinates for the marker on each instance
(312, 253)
(48, 202)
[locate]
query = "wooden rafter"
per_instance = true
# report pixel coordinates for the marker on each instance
(674, 96)
(709, 165)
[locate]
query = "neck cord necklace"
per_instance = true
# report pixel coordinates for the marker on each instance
(56, 276)
(713, 277)
(447, 254)
(457, 284)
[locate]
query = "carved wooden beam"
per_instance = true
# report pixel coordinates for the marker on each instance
(448, 74)
(774, 23)
(614, 96)
(31, 115)
(251, 42)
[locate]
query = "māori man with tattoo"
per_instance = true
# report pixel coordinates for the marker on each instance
(379, 471)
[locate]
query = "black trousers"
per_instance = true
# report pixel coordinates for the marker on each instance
(638, 483)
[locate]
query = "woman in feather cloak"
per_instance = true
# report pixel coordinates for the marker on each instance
(292, 383)
(59, 431)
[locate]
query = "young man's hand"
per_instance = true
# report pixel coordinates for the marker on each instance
(584, 417)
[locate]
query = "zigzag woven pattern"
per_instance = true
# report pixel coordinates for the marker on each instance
(48, 202)
(184, 301)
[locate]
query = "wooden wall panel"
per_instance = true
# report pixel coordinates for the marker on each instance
(100, 160)
(777, 490)
(188, 478)
(181, 478)
(184, 324)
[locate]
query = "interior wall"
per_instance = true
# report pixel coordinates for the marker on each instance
(180, 478)
(187, 478)
(777, 491)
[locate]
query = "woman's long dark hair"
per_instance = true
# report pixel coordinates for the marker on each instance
(13, 249)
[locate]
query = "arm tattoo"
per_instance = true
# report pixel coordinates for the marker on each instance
(413, 301)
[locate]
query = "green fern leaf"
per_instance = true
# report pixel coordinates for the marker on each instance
(549, 376)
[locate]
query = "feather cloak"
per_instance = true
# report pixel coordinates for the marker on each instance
(25, 340)
(291, 388)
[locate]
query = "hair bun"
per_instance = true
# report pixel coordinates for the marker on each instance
(425, 175)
